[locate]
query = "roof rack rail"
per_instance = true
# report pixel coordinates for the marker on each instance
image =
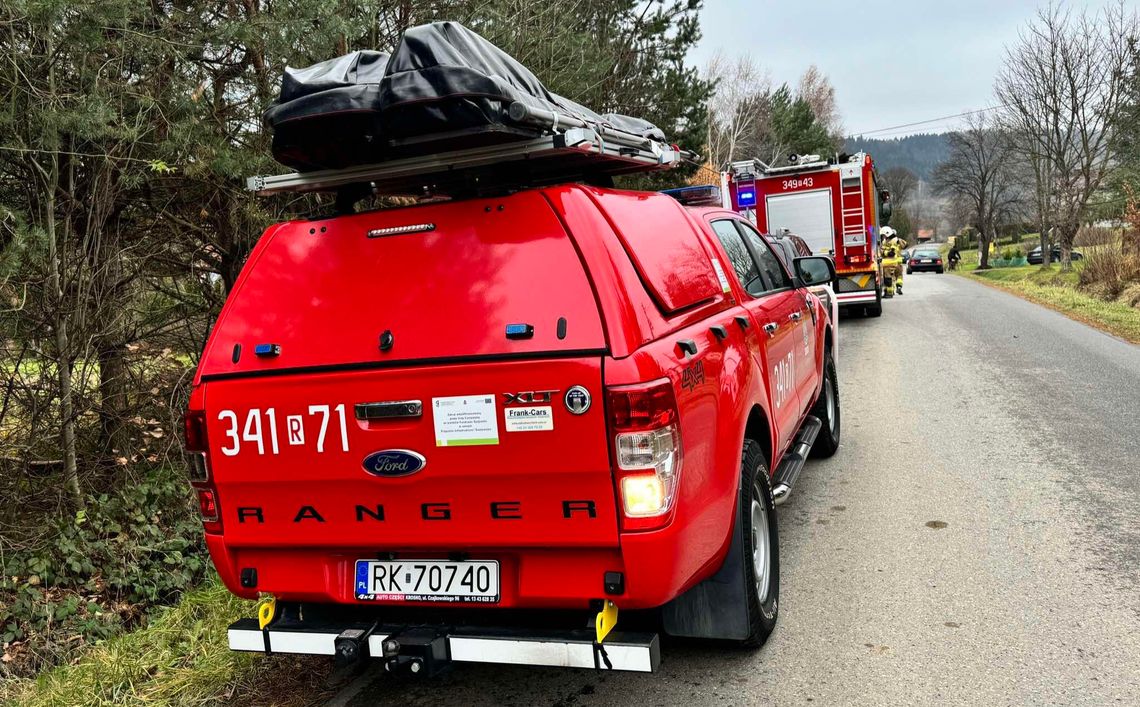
(748, 169)
(579, 151)
(696, 195)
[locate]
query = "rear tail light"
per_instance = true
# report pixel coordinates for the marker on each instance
(208, 504)
(194, 431)
(647, 450)
(198, 468)
(194, 441)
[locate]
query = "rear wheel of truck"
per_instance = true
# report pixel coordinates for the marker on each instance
(876, 309)
(762, 558)
(827, 410)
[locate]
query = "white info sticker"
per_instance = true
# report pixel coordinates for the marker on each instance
(534, 418)
(465, 420)
(720, 275)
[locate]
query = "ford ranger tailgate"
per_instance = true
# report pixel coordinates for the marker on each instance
(483, 454)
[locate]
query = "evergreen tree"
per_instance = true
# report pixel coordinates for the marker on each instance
(794, 125)
(127, 130)
(1126, 138)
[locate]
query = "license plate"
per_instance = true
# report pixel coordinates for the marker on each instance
(427, 580)
(927, 260)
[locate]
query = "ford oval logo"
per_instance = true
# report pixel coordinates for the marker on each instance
(394, 462)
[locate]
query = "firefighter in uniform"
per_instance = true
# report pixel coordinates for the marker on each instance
(890, 250)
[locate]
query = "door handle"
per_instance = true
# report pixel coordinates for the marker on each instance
(771, 327)
(389, 409)
(795, 316)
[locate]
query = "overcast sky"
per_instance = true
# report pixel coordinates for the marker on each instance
(891, 62)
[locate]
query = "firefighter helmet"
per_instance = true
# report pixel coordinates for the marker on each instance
(888, 232)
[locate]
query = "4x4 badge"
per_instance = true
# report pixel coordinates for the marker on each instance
(577, 400)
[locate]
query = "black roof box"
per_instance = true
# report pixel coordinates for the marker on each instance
(328, 114)
(443, 88)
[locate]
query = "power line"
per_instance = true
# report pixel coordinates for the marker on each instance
(925, 122)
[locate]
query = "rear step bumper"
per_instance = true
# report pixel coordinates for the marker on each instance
(789, 470)
(847, 298)
(427, 649)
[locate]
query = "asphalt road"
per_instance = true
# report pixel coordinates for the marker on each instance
(976, 540)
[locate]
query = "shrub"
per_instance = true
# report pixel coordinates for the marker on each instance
(1103, 271)
(1095, 236)
(1108, 272)
(100, 571)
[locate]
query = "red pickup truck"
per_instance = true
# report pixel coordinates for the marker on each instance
(414, 427)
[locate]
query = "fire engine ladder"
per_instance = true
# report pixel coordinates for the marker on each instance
(851, 203)
(572, 149)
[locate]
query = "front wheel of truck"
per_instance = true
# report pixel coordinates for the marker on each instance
(762, 560)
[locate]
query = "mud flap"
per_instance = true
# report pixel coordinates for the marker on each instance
(718, 606)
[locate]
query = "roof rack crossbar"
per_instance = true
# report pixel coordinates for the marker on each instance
(821, 164)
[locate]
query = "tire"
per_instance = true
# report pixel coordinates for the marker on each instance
(909, 272)
(940, 271)
(876, 309)
(762, 545)
(826, 408)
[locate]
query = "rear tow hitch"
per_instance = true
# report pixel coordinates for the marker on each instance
(351, 645)
(418, 651)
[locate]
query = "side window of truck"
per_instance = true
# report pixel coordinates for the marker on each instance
(742, 263)
(775, 276)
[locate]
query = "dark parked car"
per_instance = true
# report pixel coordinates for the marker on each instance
(925, 259)
(789, 246)
(1035, 258)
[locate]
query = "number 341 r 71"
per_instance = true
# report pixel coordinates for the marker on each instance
(260, 429)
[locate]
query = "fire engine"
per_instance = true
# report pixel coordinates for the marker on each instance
(835, 205)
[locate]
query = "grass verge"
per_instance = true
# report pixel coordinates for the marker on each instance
(180, 658)
(1052, 288)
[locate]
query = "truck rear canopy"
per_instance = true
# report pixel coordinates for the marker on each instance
(444, 281)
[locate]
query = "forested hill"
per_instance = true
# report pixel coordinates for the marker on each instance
(918, 153)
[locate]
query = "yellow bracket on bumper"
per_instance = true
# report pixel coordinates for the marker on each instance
(266, 611)
(606, 620)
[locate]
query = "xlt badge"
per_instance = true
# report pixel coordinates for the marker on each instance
(528, 397)
(394, 462)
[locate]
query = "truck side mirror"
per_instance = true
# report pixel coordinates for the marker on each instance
(814, 270)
